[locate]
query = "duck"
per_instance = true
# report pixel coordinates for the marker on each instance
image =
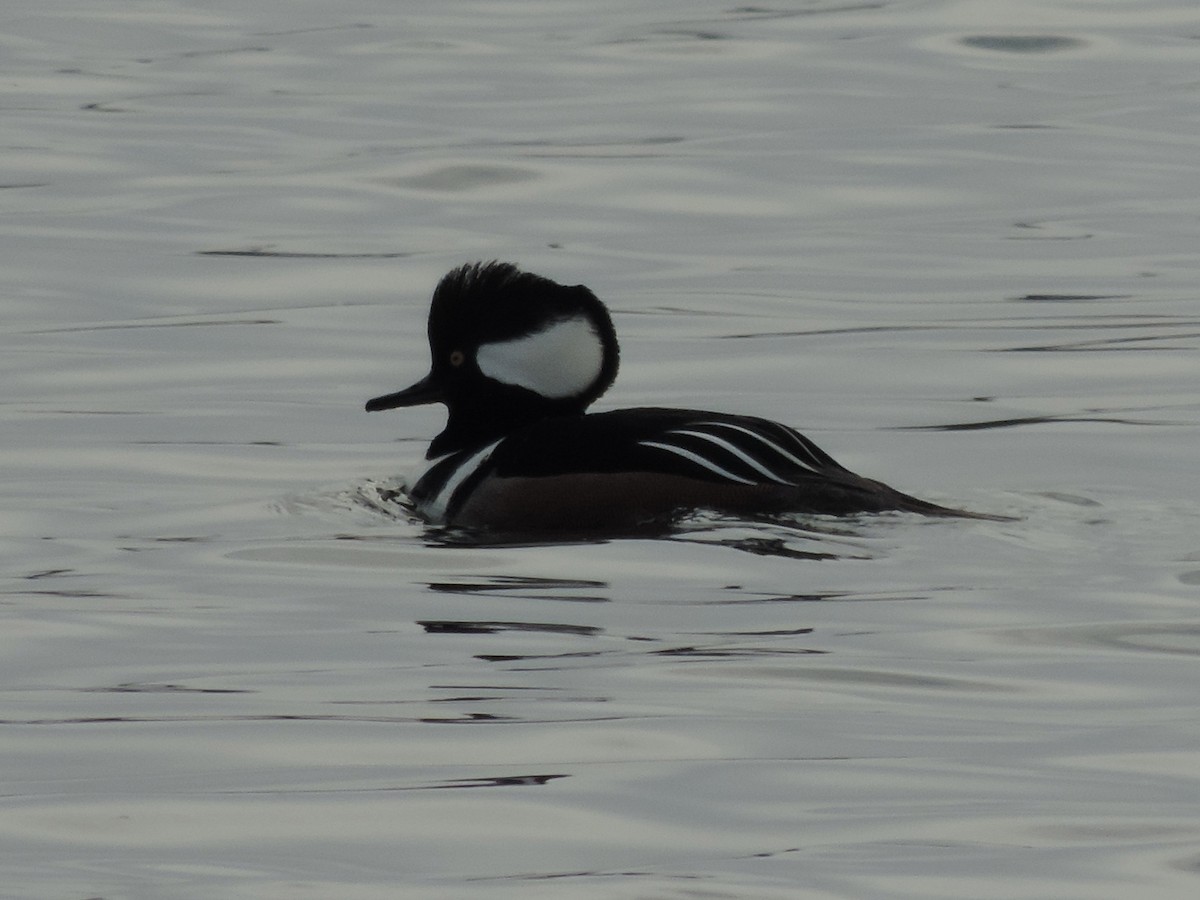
(517, 360)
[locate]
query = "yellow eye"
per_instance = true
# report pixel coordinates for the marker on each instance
(457, 358)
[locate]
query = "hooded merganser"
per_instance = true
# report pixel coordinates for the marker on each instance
(518, 358)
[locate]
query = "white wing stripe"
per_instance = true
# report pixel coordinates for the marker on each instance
(697, 459)
(758, 437)
(736, 451)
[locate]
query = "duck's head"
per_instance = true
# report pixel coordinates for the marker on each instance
(509, 348)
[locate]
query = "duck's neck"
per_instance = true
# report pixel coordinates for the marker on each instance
(479, 423)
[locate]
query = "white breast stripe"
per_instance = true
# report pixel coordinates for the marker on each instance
(564, 359)
(736, 451)
(435, 509)
(784, 453)
(697, 459)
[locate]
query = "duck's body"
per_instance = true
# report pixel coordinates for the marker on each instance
(518, 358)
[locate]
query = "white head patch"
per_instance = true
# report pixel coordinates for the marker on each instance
(564, 359)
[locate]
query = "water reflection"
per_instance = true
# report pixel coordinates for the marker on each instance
(270, 252)
(1034, 420)
(487, 782)
(1068, 298)
(744, 596)
(449, 627)
(463, 177)
(528, 588)
(147, 688)
(778, 547)
(725, 652)
(483, 781)
(784, 536)
(1022, 43)
(1173, 638)
(817, 8)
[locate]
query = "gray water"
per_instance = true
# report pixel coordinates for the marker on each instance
(955, 243)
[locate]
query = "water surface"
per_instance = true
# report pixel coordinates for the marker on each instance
(954, 243)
